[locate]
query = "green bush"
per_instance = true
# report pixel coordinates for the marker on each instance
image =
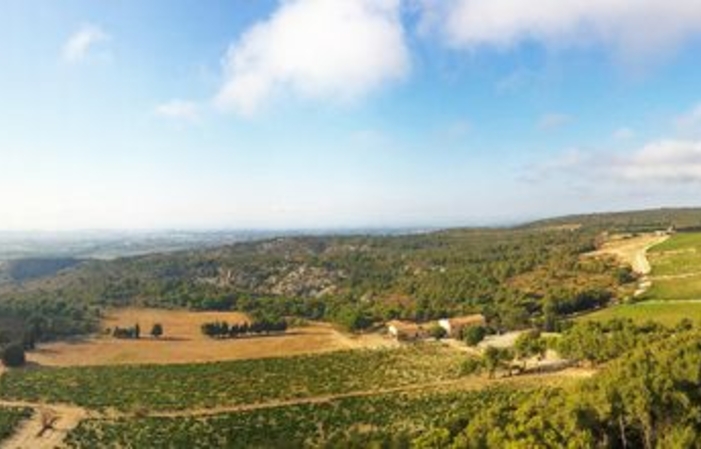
(473, 335)
(13, 356)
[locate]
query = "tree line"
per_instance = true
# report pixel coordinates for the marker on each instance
(222, 329)
(134, 332)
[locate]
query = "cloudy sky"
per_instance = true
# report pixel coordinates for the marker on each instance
(324, 113)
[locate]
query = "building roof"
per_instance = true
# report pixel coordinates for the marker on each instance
(404, 326)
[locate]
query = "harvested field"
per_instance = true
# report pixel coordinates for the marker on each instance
(184, 343)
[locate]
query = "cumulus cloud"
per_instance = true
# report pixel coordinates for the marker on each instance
(665, 162)
(668, 161)
(631, 26)
(318, 49)
(178, 109)
(78, 46)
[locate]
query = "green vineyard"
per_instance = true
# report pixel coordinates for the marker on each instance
(193, 386)
(310, 425)
(10, 419)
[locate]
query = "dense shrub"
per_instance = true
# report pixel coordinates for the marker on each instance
(13, 355)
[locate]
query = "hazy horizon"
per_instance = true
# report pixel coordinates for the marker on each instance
(343, 114)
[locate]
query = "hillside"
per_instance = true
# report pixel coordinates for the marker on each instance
(685, 219)
(513, 275)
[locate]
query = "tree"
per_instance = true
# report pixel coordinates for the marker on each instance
(438, 332)
(13, 356)
(473, 335)
(494, 358)
(352, 319)
(157, 330)
(530, 344)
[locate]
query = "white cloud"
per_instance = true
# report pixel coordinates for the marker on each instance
(178, 109)
(623, 133)
(553, 120)
(632, 27)
(663, 162)
(79, 44)
(667, 161)
(318, 49)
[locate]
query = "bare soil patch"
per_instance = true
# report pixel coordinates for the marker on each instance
(184, 343)
(631, 250)
(46, 428)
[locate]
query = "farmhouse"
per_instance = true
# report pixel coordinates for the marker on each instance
(453, 326)
(405, 330)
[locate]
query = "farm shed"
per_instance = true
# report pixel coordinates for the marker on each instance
(405, 330)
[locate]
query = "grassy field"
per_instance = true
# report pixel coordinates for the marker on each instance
(683, 288)
(680, 241)
(183, 341)
(9, 419)
(226, 384)
(680, 255)
(668, 313)
(308, 425)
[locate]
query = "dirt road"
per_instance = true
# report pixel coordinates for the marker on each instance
(46, 428)
(633, 251)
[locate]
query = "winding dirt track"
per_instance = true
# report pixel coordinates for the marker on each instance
(633, 251)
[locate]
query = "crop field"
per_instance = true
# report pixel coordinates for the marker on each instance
(293, 426)
(184, 343)
(10, 419)
(226, 384)
(683, 288)
(666, 312)
(679, 242)
(680, 255)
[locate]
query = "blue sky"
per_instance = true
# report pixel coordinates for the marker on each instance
(326, 113)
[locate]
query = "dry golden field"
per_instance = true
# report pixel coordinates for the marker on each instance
(183, 342)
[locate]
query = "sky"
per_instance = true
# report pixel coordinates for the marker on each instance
(279, 114)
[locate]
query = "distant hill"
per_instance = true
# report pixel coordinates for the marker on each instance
(22, 270)
(631, 221)
(513, 275)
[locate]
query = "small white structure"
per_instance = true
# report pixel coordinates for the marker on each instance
(453, 326)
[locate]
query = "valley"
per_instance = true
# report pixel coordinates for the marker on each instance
(559, 312)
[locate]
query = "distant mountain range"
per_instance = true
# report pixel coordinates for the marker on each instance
(108, 245)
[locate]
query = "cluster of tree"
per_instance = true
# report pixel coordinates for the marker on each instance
(21, 270)
(648, 398)
(35, 317)
(222, 329)
(595, 343)
(15, 339)
(134, 332)
(508, 360)
(635, 221)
